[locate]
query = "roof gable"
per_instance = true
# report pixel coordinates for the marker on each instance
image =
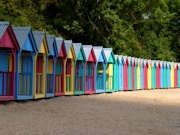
(109, 55)
(79, 52)
(99, 53)
(60, 47)
(69, 49)
(89, 53)
(51, 42)
(25, 38)
(7, 37)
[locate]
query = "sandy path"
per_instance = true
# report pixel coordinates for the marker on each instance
(148, 112)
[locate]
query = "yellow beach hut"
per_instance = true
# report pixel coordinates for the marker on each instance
(40, 64)
(149, 74)
(69, 68)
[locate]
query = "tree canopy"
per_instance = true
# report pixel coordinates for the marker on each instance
(147, 29)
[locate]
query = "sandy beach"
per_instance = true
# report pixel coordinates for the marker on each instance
(143, 112)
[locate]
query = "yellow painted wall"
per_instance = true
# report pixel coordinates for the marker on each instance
(138, 77)
(149, 77)
(172, 77)
(109, 81)
(72, 57)
(50, 66)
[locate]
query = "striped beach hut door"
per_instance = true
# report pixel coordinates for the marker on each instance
(99, 80)
(49, 79)
(129, 74)
(68, 75)
(78, 76)
(5, 73)
(39, 74)
(89, 76)
(142, 75)
(59, 77)
(25, 75)
(153, 75)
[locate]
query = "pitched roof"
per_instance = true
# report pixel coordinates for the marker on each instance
(87, 50)
(38, 36)
(97, 51)
(77, 48)
(3, 26)
(21, 34)
(68, 44)
(116, 58)
(59, 42)
(107, 52)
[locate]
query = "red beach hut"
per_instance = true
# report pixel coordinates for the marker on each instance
(8, 48)
(59, 75)
(125, 68)
(145, 74)
(175, 75)
(157, 74)
(89, 69)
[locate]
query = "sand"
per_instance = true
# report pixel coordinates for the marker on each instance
(144, 112)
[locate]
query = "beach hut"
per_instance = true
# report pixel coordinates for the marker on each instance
(110, 69)
(168, 75)
(178, 75)
(172, 74)
(161, 75)
(153, 76)
(8, 48)
(139, 74)
(145, 74)
(125, 69)
(142, 74)
(69, 68)
(116, 72)
(121, 73)
(129, 73)
(135, 73)
(25, 63)
(50, 65)
(175, 75)
(157, 74)
(79, 69)
(89, 69)
(149, 72)
(100, 73)
(60, 68)
(165, 74)
(40, 64)
(132, 70)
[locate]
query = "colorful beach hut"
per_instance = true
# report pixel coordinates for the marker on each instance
(172, 74)
(175, 75)
(89, 69)
(40, 64)
(25, 59)
(79, 69)
(60, 67)
(116, 72)
(161, 74)
(168, 74)
(110, 69)
(153, 76)
(157, 74)
(178, 75)
(142, 74)
(145, 74)
(135, 73)
(69, 68)
(139, 74)
(165, 74)
(125, 69)
(132, 70)
(100, 73)
(8, 48)
(121, 73)
(149, 74)
(50, 65)
(129, 73)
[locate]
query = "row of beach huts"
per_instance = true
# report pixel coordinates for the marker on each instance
(34, 65)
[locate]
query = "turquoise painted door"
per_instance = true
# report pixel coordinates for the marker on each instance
(129, 77)
(153, 77)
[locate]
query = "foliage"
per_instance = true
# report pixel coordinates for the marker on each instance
(147, 29)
